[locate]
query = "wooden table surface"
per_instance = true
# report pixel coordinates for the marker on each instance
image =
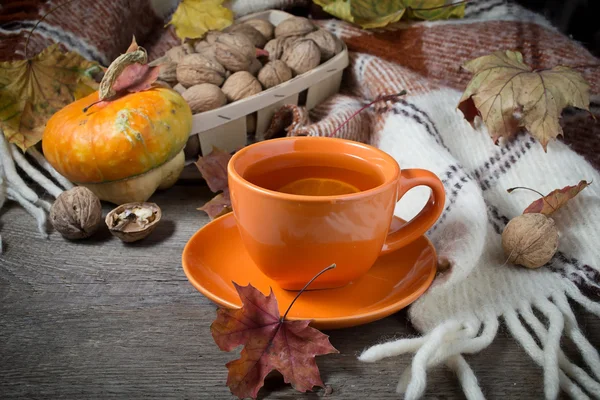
(100, 319)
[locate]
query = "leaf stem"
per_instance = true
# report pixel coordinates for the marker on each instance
(438, 7)
(40, 20)
(332, 266)
(380, 98)
(510, 190)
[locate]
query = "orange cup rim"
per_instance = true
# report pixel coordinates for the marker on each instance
(233, 174)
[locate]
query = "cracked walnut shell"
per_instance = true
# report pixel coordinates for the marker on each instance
(302, 56)
(195, 69)
(76, 213)
(240, 85)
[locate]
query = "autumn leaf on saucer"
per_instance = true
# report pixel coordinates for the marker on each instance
(218, 205)
(193, 18)
(270, 343)
(32, 90)
(509, 95)
(554, 200)
(132, 73)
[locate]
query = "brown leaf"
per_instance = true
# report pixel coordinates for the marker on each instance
(31, 91)
(213, 168)
(270, 343)
(508, 95)
(136, 77)
(218, 205)
(555, 199)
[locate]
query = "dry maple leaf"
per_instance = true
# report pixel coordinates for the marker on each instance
(553, 200)
(213, 168)
(193, 18)
(32, 90)
(508, 95)
(270, 343)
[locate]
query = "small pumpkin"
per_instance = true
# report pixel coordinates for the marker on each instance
(123, 148)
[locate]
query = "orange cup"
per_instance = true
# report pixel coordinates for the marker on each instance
(293, 237)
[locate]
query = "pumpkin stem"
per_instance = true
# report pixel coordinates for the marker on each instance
(116, 68)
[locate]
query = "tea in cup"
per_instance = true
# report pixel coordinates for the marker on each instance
(303, 203)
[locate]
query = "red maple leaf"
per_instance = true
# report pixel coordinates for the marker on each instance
(553, 200)
(135, 77)
(270, 343)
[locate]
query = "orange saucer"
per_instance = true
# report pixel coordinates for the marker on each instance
(214, 257)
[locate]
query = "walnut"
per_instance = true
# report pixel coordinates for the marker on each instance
(274, 73)
(133, 221)
(241, 85)
(212, 36)
(257, 39)
(530, 240)
(294, 26)
(235, 52)
(263, 26)
(76, 213)
(195, 69)
(277, 47)
(328, 44)
(177, 53)
(205, 49)
(255, 67)
(204, 97)
(168, 72)
(302, 56)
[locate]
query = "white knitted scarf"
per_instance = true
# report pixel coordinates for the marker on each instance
(459, 314)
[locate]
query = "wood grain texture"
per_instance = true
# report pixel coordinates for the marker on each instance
(104, 319)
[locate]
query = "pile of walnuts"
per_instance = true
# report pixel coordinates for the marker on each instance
(224, 67)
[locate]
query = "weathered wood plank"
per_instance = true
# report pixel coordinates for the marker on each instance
(102, 319)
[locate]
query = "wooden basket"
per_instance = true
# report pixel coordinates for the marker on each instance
(225, 127)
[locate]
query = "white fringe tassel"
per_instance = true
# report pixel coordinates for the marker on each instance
(448, 341)
(13, 187)
(39, 158)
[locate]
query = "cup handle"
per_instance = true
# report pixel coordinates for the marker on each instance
(426, 217)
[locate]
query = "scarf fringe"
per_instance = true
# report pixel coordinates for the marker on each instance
(13, 187)
(446, 343)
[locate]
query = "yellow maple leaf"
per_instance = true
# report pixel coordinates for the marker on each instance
(31, 91)
(193, 18)
(508, 95)
(379, 14)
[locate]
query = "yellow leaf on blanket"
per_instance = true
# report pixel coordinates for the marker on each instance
(433, 10)
(31, 91)
(193, 18)
(509, 95)
(378, 14)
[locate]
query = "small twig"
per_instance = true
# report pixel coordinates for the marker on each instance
(510, 190)
(332, 266)
(41, 19)
(380, 98)
(93, 104)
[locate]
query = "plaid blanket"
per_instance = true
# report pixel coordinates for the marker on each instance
(460, 313)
